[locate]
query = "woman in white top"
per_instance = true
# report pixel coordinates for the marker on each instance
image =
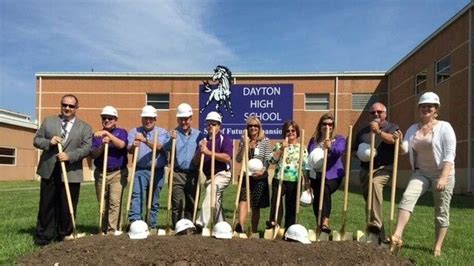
(431, 145)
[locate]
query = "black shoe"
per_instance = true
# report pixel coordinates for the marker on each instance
(269, 224)
(238, 228)
(372, 228)
(198, 229)
(325, 229)
(41, 242)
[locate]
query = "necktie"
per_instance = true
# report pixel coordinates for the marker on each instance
(64, 129)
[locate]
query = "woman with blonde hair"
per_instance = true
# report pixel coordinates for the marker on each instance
(259, 148)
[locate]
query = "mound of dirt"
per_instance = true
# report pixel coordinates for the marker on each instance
(195, 249)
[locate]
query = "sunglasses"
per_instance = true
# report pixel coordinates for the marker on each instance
(424, 105)
(290, 130)
(378, 112)
(64, 105)
(212, 124)
(327, 124)
(110, 118)
(250, 126)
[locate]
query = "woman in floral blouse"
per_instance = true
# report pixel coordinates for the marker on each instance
(291, 133)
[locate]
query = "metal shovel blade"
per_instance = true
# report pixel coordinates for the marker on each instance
(342, 236)
(373, 239)
(323, 236)
(206, 232)
(255, 235)
(360, 236)
(161, 232)
(312, 235)
(268, 234)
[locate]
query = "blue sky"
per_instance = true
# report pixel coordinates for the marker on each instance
(196, 35)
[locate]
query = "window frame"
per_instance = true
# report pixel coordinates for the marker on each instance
(437, 71)
(157, 103)
(327, 101)
(418, 84)
(14, 156)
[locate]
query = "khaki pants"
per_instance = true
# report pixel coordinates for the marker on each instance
(115, 182)
(420, 183)
(379, 180)
(222, 181)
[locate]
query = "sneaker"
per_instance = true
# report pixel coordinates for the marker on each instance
(73, 237)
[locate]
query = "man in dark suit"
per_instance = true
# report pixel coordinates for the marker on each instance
(54, 217)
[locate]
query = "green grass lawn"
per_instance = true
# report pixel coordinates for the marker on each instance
(19, 206)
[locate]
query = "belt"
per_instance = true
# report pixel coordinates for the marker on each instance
(184, 171)
(113, 169)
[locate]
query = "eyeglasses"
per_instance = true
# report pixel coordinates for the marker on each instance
(64, 105)
(327, 124)
(378, 112)
(250, 126)
(290, 130)
(212, 124)
(110, 118)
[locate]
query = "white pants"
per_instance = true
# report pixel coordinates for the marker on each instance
(222, 181)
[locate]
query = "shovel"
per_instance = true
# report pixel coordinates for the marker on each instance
(68, 192)
(247, 188)
(273, 232)
(102, 190)
(387, 244)
(206, 231)
(239, 186)
(130, 189)
(170, 190)
(370, 238)
(152, 177)
(342, 234)
(201, 180)
(322, 236)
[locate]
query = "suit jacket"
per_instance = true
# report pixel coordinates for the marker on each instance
(77, 146)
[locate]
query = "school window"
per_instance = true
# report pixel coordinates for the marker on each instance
(7, 156)
(443, 69)
(160, 101)
(362, 101)
(316, 101)
(420, 82)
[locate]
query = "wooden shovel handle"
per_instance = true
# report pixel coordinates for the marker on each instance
(371, 176)
(198, 188)
(132, 179)
(102, 189)
(323, 181)
(68, 191)
(170, 184)
(152, 175)
(300, 175)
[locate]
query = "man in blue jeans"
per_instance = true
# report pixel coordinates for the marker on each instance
(143, 138)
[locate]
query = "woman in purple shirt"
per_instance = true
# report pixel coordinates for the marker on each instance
(336, 146)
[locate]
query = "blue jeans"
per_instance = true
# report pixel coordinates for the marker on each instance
(139, 195)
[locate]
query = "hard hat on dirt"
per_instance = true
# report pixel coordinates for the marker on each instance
(148, 111)
(184, 226)
(109, 110)
(298, 233)
(306, 198)
(138, 230)
(255, 166)
(184, 110)
(222, 230)
(429, 97)
(363, 152)
(214, 116)
(316, 158)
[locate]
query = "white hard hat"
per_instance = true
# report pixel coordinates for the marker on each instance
(109, 110)
(183, 225)
(429, 97)
(184, 110)
(255, 166)
(138, 230)
(306, 198)
(298, 233)
(214, 116)
(222, 230)
(363, 152)
(316, 158)
(148, 111)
